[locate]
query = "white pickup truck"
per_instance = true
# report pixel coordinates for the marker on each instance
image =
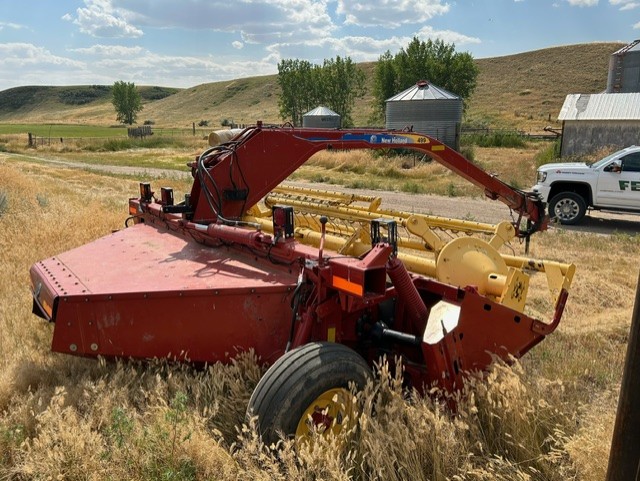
(612, 183)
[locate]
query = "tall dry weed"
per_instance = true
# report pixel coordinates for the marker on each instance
(367, 170)
(589, 446)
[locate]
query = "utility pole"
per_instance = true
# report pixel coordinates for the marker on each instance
(624, 459)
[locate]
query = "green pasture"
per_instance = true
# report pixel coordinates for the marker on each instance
(71, 131)
(63, 130)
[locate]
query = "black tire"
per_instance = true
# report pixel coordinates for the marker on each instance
(568, 207)
(296, 381)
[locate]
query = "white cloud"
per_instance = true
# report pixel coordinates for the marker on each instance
(583, 3)
(286, 28)
(390, 13)
(100, 19)
(258, 21)
(13, 26)
(359, 49)
(108, 50)
(27, 64)
(18, 55)
(153, 69)
(625, 4)
(447, 36)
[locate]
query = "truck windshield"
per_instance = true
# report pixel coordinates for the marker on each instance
(602, 162)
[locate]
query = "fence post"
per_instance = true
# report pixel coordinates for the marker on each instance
(624, 458)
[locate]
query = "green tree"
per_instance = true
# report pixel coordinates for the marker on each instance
(342, 83)
(127, 101)
(434, 61)
(300, 83)
(336, 85)
(384, 84)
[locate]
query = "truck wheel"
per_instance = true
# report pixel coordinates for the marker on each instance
(307, 390)
(568, 207)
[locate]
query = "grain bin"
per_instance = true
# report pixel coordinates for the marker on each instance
(624, 69)
(321, 117)
(430, 110)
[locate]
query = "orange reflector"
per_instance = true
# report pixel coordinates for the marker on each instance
(347, 286)
(46, 307)
(436, 148)
(133, 210)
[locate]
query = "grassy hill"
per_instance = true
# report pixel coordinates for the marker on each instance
(522, 91)
(74, 104)
(525, 89)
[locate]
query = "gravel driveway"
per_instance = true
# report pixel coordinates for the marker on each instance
(476, 209)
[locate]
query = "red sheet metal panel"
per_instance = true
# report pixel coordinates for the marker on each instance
(199, 326)
(144, 292)
(145, 258)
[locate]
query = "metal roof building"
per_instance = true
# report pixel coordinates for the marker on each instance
(429, 109)
(321, 117)
(592, 121)
(424, 90)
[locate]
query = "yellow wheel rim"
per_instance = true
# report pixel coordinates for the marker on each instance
(331, 412)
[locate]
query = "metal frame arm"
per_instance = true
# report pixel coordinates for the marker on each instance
(236, 175)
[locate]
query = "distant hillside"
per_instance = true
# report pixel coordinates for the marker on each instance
(516, 91)
(523, 90)
(242, 101)
(73, 104)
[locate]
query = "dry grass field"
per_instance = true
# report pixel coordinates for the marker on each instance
(548, 418)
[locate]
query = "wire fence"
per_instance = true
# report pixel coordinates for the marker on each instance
(147, 131)
(552, 134)
(137, 133)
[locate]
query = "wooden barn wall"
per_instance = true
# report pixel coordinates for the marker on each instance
(586, 136)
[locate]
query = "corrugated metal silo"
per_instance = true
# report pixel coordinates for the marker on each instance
(321, 117)
(429, 110)
(624, 69)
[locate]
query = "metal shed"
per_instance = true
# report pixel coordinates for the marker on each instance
(592, 121)
(430, 110)
(321, 117)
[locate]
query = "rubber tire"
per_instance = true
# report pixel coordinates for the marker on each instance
(578, 203)
(296, 379)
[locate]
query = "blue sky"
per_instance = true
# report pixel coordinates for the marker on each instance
(183, 43)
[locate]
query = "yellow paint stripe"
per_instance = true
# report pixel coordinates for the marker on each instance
(331, 334)
(347, 286)
(436, 148)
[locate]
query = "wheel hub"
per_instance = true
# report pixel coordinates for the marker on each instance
(327, 413)
(566, 209)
